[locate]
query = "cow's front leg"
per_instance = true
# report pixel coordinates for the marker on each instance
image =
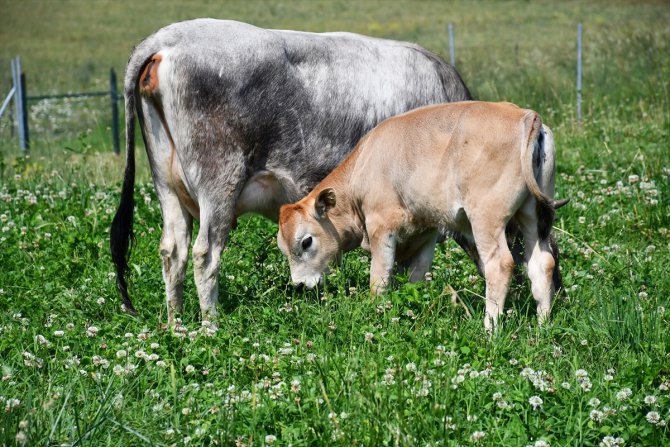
(420, 263)
(382, 249)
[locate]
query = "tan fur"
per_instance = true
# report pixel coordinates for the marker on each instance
(464, 167)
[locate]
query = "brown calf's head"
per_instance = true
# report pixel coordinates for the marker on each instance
(308, 238)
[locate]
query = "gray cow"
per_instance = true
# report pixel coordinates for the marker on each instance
(239, 119)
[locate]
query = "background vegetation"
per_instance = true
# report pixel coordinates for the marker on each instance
(334, 367)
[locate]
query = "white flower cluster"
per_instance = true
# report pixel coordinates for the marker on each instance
(583, 379)
(539, 379)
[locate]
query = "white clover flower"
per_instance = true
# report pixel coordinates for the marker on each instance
(186, 411)
(541, 443)
(624, 394)
(503, 405)
(650, 400)
(10, 404)
(121, 353)
(58, 333)
(527, 372)
(154, 345)
(21, 438)
(653, 417)
(42, 340)
(270, 439)
(586, 385)
(369, 336)
(596, 415)
(610, 441)
(594, 402)
(69, 326)
(92, 331)
(118, 370)
(161, 364)
(513, 362)
(581, 374)
(101, 301)
(536, 402)
(190, 369)
(477, 436)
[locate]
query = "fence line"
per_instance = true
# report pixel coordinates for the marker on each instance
(18, 93)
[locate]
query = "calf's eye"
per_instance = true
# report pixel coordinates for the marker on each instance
(306, 243)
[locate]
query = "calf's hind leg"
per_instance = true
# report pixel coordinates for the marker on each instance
(498, 267)
(540, 261)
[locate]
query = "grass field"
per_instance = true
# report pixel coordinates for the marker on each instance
(334, 367)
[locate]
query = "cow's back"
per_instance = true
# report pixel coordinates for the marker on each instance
(294, 102)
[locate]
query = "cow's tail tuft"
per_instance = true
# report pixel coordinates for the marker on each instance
(121, 233)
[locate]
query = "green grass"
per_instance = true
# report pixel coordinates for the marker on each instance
(333, 367)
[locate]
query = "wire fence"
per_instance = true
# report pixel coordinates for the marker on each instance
(59, 116)
(46, 114)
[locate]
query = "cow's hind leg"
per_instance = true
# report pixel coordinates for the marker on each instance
(498, 266)
(175, 242)
(217, 212)
(540, 261)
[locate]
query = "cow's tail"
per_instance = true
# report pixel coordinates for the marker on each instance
(121, 232)
(537, 150)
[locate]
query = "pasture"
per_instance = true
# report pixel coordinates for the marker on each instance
(333, 366)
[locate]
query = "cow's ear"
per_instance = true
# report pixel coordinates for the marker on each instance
(325, 201)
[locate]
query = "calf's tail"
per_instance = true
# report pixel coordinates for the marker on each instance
(534, 151)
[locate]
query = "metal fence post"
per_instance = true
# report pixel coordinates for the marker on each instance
(452, 51)
(579, 74)
(20, 102)
(24, 111)
(115, 110)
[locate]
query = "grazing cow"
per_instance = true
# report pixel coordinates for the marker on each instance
(239, 119)
(467, 167)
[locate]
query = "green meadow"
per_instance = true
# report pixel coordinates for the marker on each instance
(333, 366)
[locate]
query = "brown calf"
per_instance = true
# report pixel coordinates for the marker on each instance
(469, 168)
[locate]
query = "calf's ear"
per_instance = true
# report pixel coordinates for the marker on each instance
(325, 201)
